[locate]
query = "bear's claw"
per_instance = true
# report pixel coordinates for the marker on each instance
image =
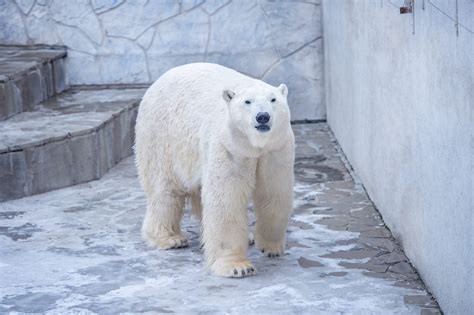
(179, 243)
(251, 239)
(271, 249)
(170, 242)
(242, 272)
(234, 269)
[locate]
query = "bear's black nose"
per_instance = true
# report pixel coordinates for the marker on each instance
(263, 118)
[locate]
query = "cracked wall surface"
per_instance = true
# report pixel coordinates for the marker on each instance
(120, 41)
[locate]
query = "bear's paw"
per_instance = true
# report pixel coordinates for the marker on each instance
(271, 249)
(233, 268)
(168, 242)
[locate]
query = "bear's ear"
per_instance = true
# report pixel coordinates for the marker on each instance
(228, 95)
(283, 89)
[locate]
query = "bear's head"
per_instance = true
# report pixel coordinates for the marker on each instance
(260, 112)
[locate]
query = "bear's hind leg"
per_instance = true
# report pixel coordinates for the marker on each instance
(162, 224)
(196, 204)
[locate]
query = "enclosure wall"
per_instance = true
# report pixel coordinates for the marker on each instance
(135, 41)
(400, 98)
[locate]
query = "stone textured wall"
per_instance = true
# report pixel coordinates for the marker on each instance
(400, 100)
(135, 41)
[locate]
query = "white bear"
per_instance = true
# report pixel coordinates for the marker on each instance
(217, 137)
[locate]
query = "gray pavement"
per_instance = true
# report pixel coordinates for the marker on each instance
(78, 249)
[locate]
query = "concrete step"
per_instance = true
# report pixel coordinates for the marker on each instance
(72, 138)
(29, 75)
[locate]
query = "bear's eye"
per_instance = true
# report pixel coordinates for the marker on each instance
(273, 100)
(247, 102)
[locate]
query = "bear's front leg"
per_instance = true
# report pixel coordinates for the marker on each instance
(227, 185)
(273, 200)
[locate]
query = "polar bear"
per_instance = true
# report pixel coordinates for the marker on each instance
(214, 136)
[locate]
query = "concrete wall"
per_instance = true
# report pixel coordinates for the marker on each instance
(401, 106)
(135, 41)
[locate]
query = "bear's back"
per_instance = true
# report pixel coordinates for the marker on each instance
(194, 93)
(207, 79)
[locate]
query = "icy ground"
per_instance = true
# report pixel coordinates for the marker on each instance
(79, 250)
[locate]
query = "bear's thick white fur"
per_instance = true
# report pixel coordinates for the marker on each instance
(196, 139)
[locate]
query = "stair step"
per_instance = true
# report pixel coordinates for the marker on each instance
(29, 75)
(72, 138)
